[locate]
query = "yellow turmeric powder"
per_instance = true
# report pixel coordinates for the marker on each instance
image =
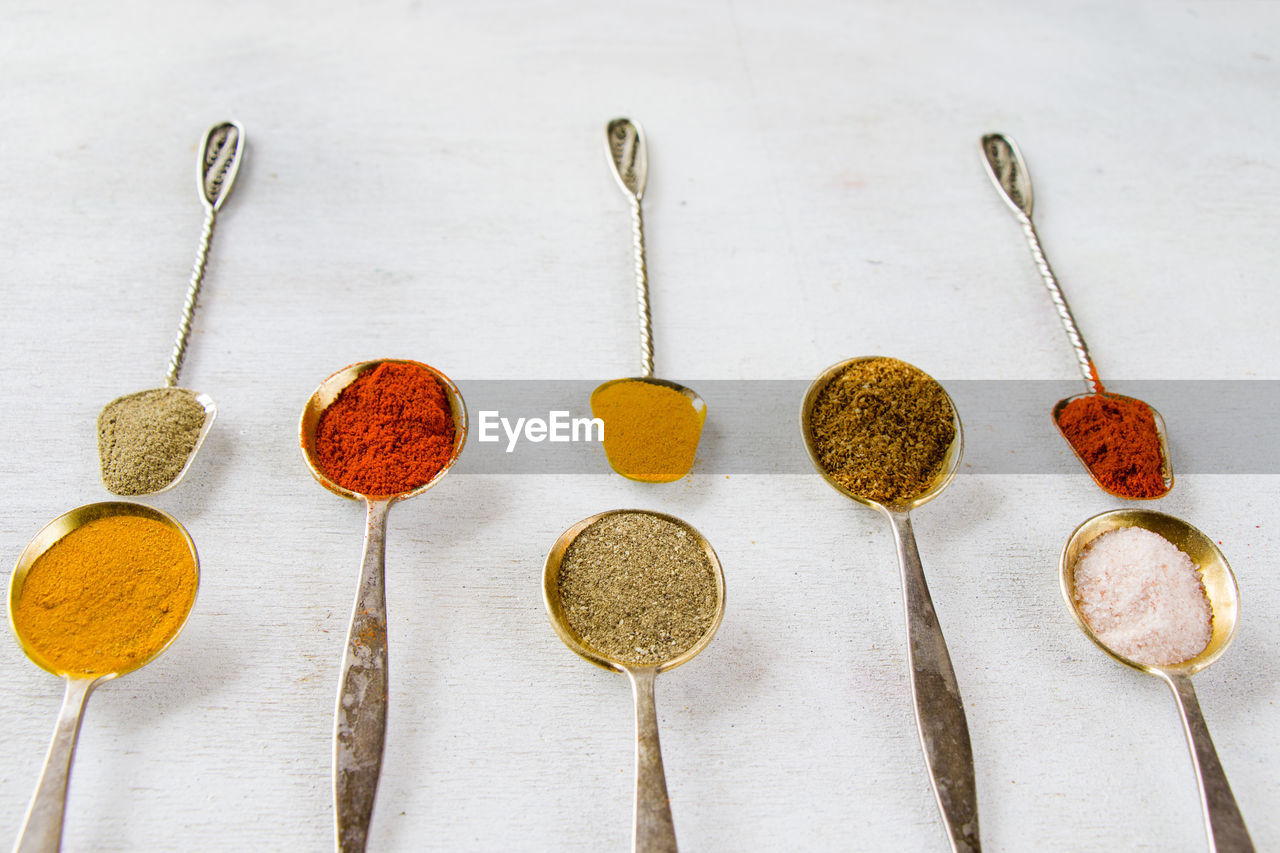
(106, 597)
(651, 431)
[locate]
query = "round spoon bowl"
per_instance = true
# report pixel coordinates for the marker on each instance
(56, 530)
(950, 463)
(1219, 581)
(328, 391)
(555, 608)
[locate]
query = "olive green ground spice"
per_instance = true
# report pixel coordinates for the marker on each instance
(638, 588)
(144, 439)
(881, 428)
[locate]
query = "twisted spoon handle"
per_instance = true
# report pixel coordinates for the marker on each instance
(629, 157)
(654, 831)
(216, 171)
(940, 718)
(1222, 819)
(360, 720)
(42, 829)
(1008, 172)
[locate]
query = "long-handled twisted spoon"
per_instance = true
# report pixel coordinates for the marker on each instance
(148, 440)
(651, 426)
(1134, 461)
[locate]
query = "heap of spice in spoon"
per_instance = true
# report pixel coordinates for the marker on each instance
(1120, 440)
(148, 440)
(651, 426)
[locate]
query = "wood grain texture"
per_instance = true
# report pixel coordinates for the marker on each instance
(427, 181)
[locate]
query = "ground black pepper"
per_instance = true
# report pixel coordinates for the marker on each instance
(144, 439)
(638, 588)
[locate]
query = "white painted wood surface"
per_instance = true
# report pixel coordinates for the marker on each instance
(426, 181)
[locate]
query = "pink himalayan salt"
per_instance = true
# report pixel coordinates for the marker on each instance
(1143, 597)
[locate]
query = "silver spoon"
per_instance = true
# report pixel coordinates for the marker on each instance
(123, 420)
(629, 159)
(42, 828)
(1008, 172)
(360, 719)
(939, 711)
(1223, 822)
(653, 830)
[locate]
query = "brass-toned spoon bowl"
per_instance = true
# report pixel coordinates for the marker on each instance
(42, 828)
(679, 468)
(360, 716)
(939, 710)
(1166, 467)
(653, 829)
(950, 464)
(328, 391)
(1224, 823)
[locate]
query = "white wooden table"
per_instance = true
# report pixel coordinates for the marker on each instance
(427, 181)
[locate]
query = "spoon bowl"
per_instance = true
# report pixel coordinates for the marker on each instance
(555, 608)
(677, 468)
(121, 405)
(1224, 824)
(328, 391)
(1166, 467)
(1219, 581)
(950, 463)
(653, 829)
(42, 827)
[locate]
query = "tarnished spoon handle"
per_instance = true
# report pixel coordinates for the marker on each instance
(940, 719)
(216, 170)
(654, 830)
(1223, 822)
(1008, 172)
(360, 721)
(629, 156)
(42, 829)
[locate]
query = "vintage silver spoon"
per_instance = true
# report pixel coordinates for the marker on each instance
(653, 830)
(42, 828)
(939, 710)
(1008, 172)
(360, 718)
(629, 159)
(1223, 822)
(136, 457)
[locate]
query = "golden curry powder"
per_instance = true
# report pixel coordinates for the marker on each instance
(107, 596)
(651, 431)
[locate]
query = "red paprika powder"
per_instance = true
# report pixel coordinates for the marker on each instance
(388, 432)
(1116, 438)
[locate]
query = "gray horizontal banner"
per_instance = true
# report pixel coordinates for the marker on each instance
(1215, 427)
